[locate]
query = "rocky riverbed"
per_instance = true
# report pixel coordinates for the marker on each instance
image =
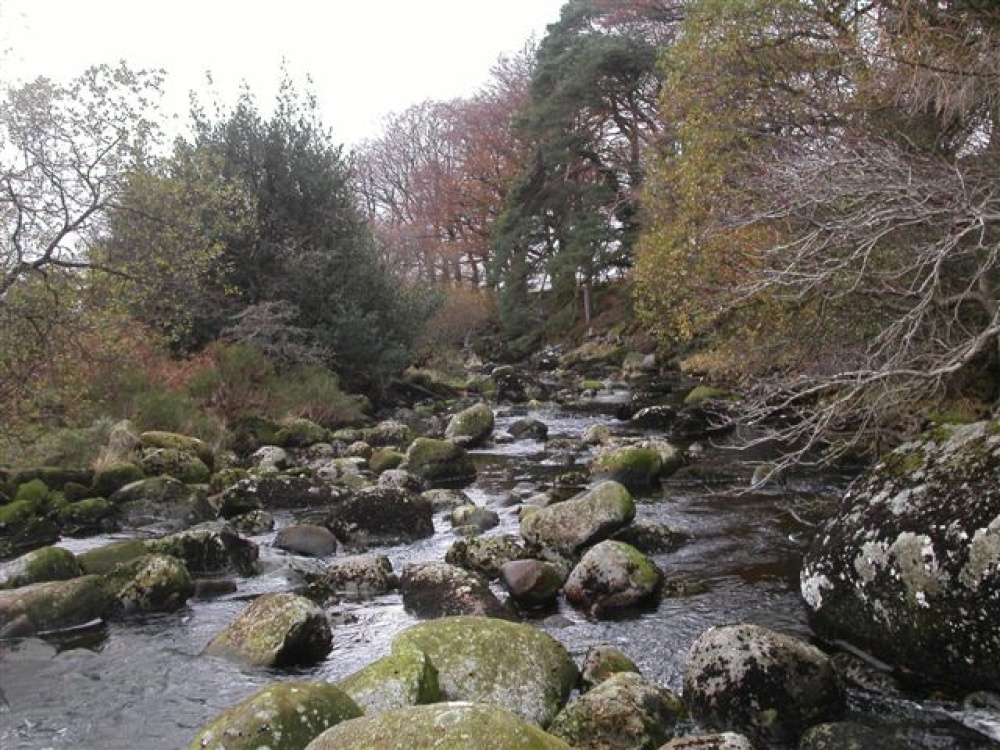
(579, 473)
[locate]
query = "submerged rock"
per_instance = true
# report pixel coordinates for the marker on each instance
(449, 726)
(909, 567)
(767, 685)
(276, 630)
(504, 664)
(285, 715)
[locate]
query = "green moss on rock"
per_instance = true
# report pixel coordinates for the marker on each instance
(439, 461)
(406, 677)
(285, 716)
(102, 560)
(152, 583)
(51, 606)
(45, 564)
(636, 468)
(109, 479)
(443, 726)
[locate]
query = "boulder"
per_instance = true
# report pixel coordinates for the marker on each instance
(209, 548)
(270, 458)
(52, 606)
(385, 459)
(528, 429)
(651, 537)
(151, 583)
(300, 433)
(284, 715)
(389, 433)
(767, 685)
(505, 664)
(276, 492)
(625, 711)
(172, 441)
(581, 521)
(102, 560)
(436, 589)
(112, 477)
(37, 566)
(909, 567)
(485, 554)
(470, 427)
(357, 577)
(403, 480)
(161, 503)
(183, 466)
(480, 518)
(449, 726)
(306, 539)
(253, 523)
(276, 630)
(531, 583)
(439, 462)
(446, 499)
(601, 662)
(26, 523)
(612, 575)
(405, 677)
(380, 516)
(92, 515)
(636, 468)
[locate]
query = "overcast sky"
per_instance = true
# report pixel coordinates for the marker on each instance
(367, 58)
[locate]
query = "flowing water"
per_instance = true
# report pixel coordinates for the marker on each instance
(143, 684)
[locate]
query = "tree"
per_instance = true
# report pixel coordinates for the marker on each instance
(824, 219)
(570, 219)
(67, 151)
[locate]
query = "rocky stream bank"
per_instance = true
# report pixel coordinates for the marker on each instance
(572, 558)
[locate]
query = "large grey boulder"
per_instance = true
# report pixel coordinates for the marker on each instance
(485, 555)
(379, 516)
(162, 504)
(284, 715)
(448, 726)
(357, 577)
(909, 567)
(767, 685)
(209, 548)
(151, 583)
(306, 539)
(581, 521)
(275, 630)
(612, 575)
(626, 712)
(505, 664)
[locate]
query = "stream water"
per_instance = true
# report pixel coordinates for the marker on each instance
(143, 684)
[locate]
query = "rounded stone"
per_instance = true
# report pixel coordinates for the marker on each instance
(306, 539)
(612, 575)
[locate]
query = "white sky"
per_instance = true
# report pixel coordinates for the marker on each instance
(366, 58)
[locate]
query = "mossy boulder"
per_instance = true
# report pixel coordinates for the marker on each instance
(766, 685)
(112, 477)
(406, 677)
(581, 521)
(53, 478)
(378, 516)
(286, 716)
(37, 566)
(384, 459)
(151, 583)
(102, 560)
(300, 433)
(25, 525)
(612, 575)
(471, 427)
(91, 515)
(909, 566)
(528, 429)
(439, 462)
(443, 726)
(209, 548)
(505, 664)
(181, 465)
(601, 662)
(161, 504)
(624, 711)
(356, 577)
(276, 492)
(52, 606)
(475, 519)
(635, 467)
(275, 630)
(176, 442)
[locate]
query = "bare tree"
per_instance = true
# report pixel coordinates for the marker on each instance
(65, 151)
